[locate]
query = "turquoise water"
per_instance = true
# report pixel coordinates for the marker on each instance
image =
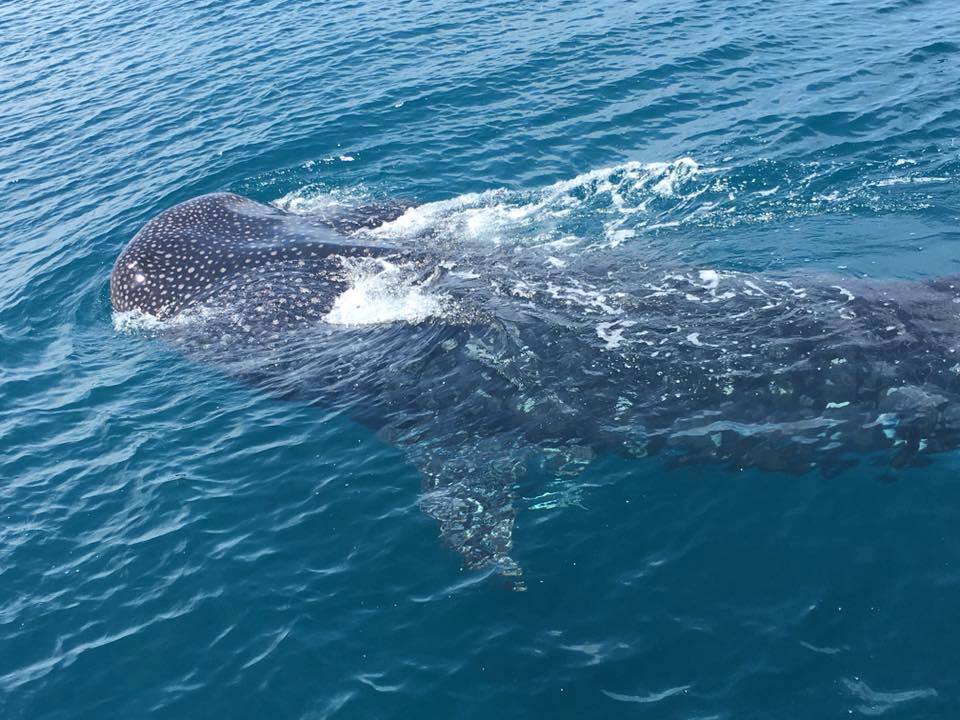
(176, 543)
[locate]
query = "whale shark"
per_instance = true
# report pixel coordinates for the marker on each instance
(501, 361)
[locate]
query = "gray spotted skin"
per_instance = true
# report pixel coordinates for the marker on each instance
(221, 243)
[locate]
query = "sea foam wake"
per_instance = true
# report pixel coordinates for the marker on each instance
(605, 211)
(606, 207)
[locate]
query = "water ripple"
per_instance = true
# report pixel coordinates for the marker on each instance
(177, 544)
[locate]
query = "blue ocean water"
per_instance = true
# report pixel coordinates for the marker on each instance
(176, 543)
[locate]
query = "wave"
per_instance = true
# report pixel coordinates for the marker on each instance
(611, 206)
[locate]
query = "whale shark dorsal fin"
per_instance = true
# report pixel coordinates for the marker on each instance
(368, 217)
(469, 491)
(349, 219)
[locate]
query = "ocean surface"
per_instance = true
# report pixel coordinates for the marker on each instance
(177, 543)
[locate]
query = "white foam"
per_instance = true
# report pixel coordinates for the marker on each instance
(909, 180)
(135, 322)
(316, 200)
(710, 279)
(618, 237)
(846, 293)
(542, 216)
(611, 335)
(617, 205)
(382, 292)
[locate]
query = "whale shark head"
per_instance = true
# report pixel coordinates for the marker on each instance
(202, 249)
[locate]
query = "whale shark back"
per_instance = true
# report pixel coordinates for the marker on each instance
(535, 365)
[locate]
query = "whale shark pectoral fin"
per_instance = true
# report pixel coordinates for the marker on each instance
(477, 522)
(470, 493)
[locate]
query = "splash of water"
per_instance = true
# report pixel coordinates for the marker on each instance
(381, 291)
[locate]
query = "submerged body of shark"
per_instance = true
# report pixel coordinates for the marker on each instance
(518, 360)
